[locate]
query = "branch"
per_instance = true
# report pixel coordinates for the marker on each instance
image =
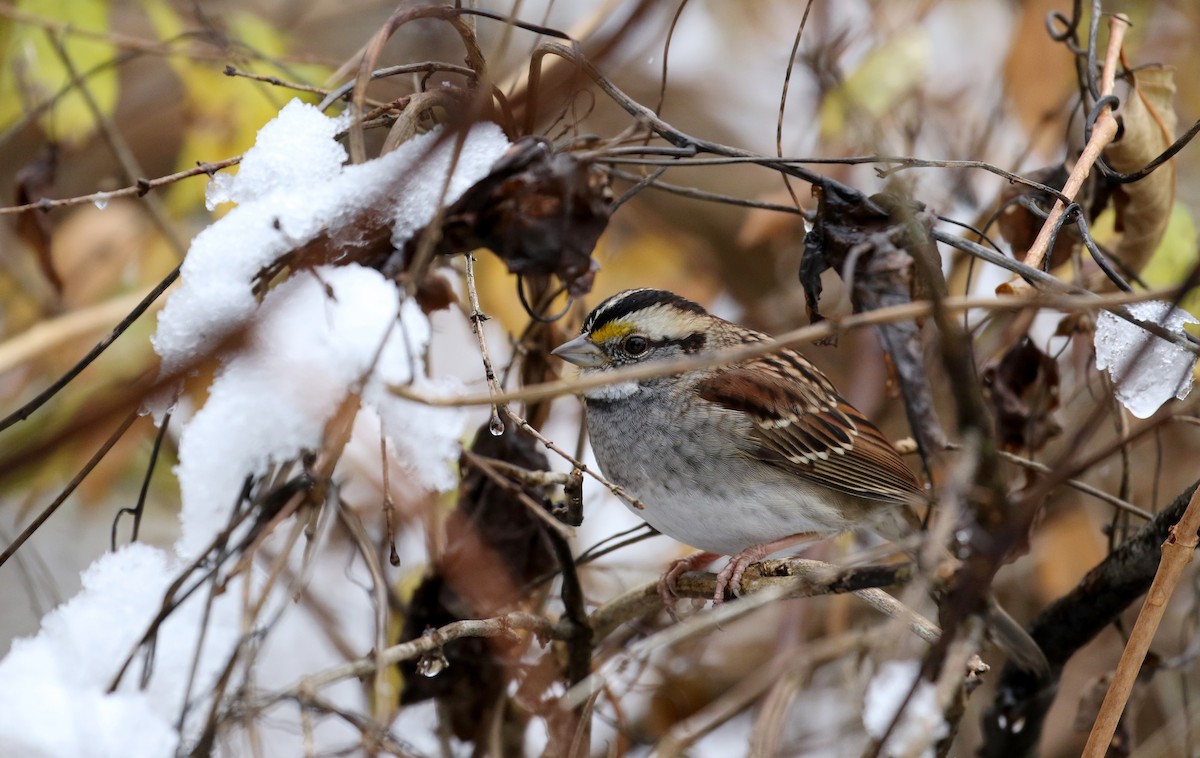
(1177, 553)
(1014, 722)
(1103, 132)
(830, 327)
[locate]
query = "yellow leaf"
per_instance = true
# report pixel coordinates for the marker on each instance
(1175, 256)
(223, 114)
(886, 75)
(32, 70)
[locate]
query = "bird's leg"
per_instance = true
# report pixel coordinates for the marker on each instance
(731, 575)
(666, 585)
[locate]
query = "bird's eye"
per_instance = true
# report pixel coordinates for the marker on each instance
(635, 345)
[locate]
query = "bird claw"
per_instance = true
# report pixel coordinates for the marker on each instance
(730, 577)
(666, 585)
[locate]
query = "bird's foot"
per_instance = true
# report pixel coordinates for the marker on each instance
(731, 576)
(666, 585)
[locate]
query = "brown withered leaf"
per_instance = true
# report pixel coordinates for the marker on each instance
(434, 293)
(1022, 389)
(34, 182)
(1019, 224)
(873, 240)
(494, 548)
(1143, 207)
(539, 211)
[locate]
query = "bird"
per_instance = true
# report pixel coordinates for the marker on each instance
(742, 459)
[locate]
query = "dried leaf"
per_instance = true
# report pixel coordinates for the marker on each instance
(1019, 224)
(1039, 73)
(35, 181)
(494, 548)
(434, 293)
(539, 211)
(873, 241)
(1144, 207)
(1022, 388)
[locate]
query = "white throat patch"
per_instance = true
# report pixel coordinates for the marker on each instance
(610, 392)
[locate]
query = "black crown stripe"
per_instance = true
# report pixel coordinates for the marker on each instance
(624, 303)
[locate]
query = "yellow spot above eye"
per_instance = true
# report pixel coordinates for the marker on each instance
(611, 331)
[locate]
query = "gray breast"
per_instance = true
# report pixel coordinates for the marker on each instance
(697, 486)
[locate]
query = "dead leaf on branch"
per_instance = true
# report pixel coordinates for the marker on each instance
(34, 182)
(1022, 389)
(539, 211)
(1143, 207)
(494, 548)
(871, 243)
(1023, 211)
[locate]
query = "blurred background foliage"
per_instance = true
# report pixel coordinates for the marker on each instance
(96, 94)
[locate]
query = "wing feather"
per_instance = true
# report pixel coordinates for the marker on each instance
(801, 424)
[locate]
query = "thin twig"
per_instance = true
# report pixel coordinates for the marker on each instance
(88, 467)
(746, 690)
(26, 410)
(140, 188)
(49, 335)
(274, 80)
(579, 465)
(484, 465)
(477, 317)
(1095, 492)
(120, 148)
(832, 326)
(383, 694)
(500, 626)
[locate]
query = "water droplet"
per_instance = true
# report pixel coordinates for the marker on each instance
(496, 426)
(432, 663)
(101, 200)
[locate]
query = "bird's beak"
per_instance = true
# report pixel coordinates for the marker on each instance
(582, 352)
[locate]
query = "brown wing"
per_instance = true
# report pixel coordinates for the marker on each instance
(801, 424)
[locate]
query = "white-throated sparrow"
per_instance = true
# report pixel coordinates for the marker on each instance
(740, 460)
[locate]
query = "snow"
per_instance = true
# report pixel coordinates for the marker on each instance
(922, 723)
(292, 186)
(53, 685)
(1145, 377)
(314, 339)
